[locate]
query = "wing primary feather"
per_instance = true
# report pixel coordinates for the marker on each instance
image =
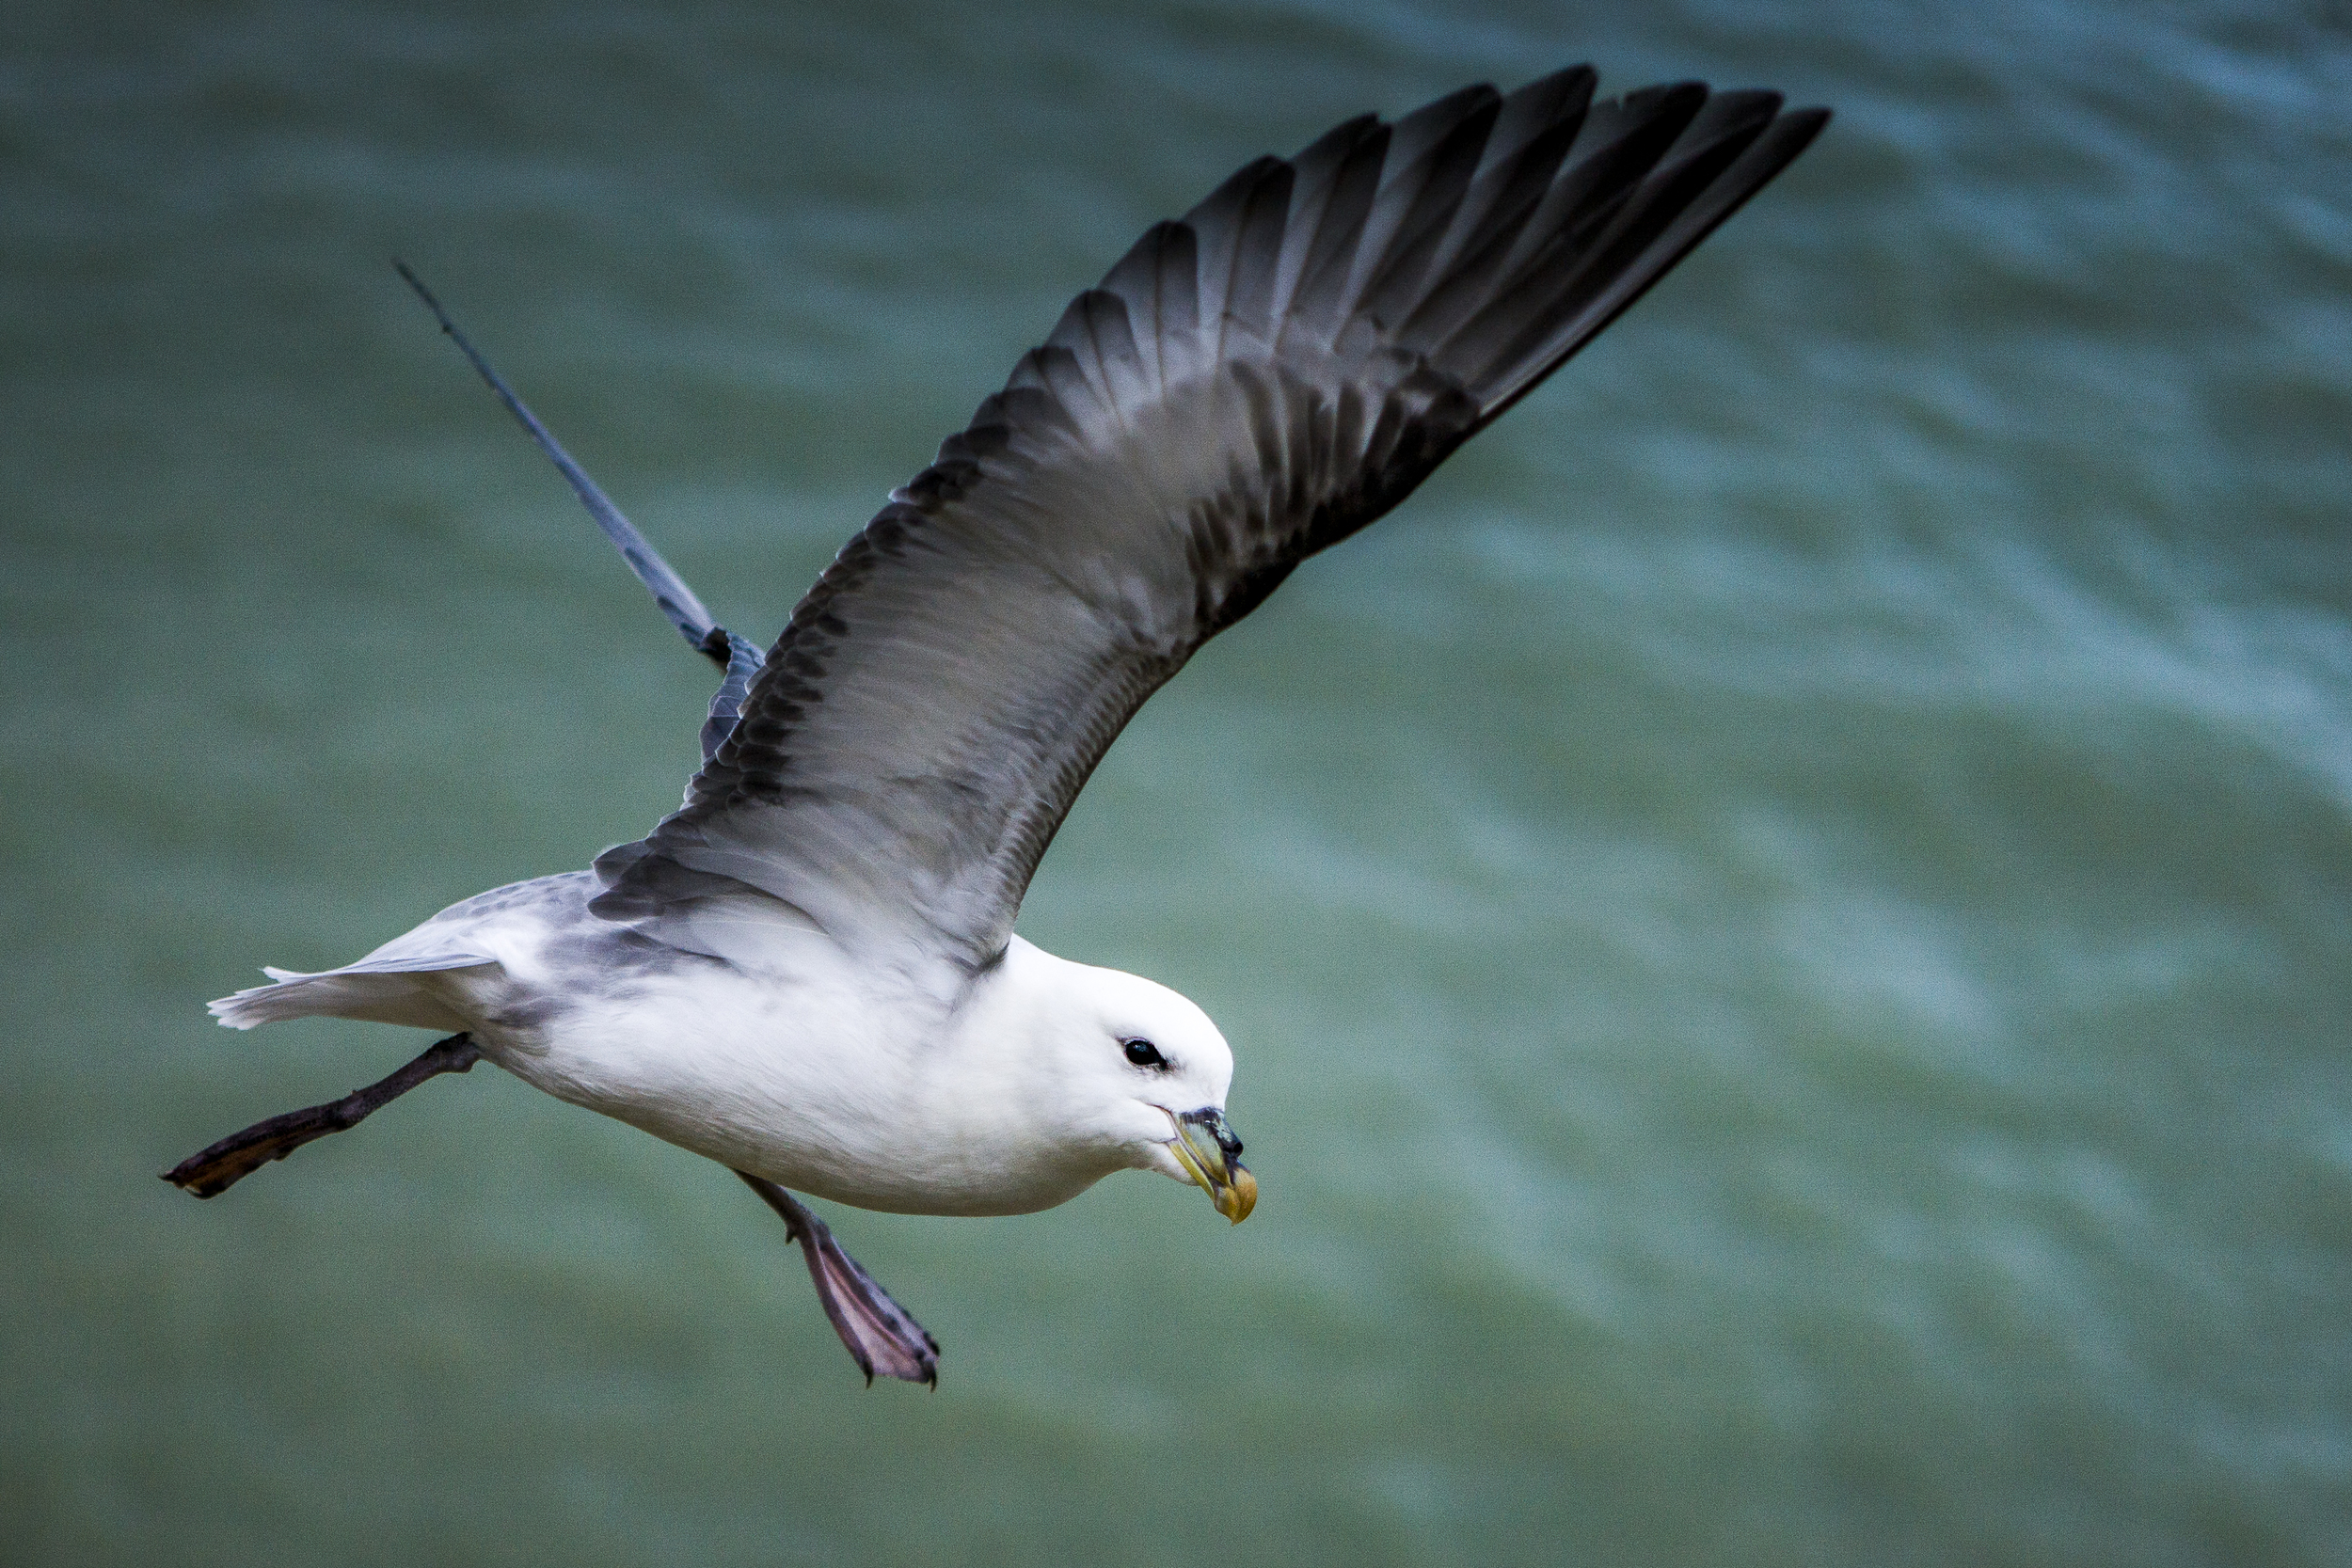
(1450, 164)
(1321, 292)
(1238, 231)
(1315, 183)
(1619, 141)
(1509, 184)
(1538, 108)
(1412, 174)
(1469, 271)
(1178, 323)
(1764, 157)
(1136, 281)
(1617, 145)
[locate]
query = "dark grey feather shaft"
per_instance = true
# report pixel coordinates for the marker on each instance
(678, 601)
(739, 657)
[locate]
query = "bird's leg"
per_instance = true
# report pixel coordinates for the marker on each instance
(881, 1336)
(216, 1169)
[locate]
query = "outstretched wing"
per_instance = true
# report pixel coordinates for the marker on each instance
(1246, 386)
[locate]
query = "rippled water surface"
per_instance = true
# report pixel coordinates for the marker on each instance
(1788, 922)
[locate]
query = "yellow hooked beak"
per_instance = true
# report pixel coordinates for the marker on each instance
(1211, 1155)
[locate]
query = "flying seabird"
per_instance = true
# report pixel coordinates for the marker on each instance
(809, 972)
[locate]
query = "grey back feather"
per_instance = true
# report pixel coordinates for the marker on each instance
(1245, 386)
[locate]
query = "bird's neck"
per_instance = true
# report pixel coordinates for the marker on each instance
(994, 1092)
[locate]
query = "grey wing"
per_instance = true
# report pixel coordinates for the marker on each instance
(738, 659)
(1246, 386)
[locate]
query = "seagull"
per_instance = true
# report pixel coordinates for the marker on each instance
(808, 971)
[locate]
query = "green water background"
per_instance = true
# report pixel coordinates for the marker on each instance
(1786, 923)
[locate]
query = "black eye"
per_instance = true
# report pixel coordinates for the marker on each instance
(1144, 1053)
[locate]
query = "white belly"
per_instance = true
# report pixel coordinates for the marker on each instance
(803, 1078)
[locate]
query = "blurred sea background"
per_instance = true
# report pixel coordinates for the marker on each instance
(1787, 922)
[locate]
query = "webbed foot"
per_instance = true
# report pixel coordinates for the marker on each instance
(881, 1336)
(215, 1170)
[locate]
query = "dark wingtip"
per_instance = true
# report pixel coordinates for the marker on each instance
(1806, 125)
(408, 276)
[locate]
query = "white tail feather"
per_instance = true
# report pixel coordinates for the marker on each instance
(375, 991)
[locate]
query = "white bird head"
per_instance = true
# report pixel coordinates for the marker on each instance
(1140, 1074)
